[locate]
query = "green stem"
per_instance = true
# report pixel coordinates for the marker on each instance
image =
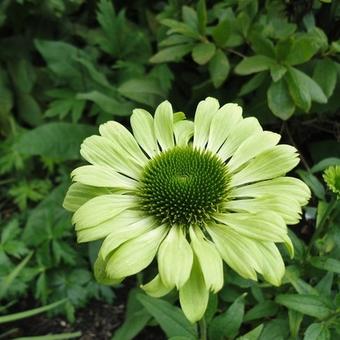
(203, 329)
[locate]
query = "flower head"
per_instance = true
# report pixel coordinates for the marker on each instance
(190, 194)
(332, 179)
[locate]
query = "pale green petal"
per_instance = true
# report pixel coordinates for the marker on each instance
(143, 129)
(178, 116)
(206, 109)
(100, 209)
(287, 208)
(209, 259)
(102, 176)
(156, 287)
(163, 124)
(282, 186)
(235, 250)
(136, 254)
(241, 131)
(270, 262)
(251, 147)
(101, 151)
(126, 227)
(262, 226)
(223, 122)
(183, 130)
(118, 134)
(194, 295)
(78, 194)
(100, 274)
(175, 258)
(269, 164)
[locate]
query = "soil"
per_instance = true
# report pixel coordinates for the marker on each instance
(98, 320)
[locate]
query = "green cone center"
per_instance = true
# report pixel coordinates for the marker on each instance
(183, 186)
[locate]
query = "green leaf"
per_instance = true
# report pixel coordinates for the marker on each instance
(181, 28)
(55, 140)
(325, 74)
(324, 286)
(170, 318)
(277, 71)
(254, 334)
(145, 91)
(262, 45)
(306, 304)
(317, 331)
(261, 310)
(203, 52)
(253, 83)
(257, 63)
(325, 163)
(61, 336)
(300, 286)
(295, 318)
(172, 53)
(301, 50)
(326, 263)
(221, 32)
(219, 68)
(313, 182)
(275, 329)
(107, 103)
(228, 323)
(279, 100)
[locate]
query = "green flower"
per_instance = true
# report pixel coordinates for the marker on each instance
(332, 178)
(191, 194)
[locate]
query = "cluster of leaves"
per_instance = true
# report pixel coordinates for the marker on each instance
(68, 65)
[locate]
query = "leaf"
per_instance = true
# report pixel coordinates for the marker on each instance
(219, 68)
(202, 16)
(170, 318)
(203, 52)
(306, 304)
(55, 140)
(254, 334)
(107, 103)
(262, 45)
(325, 75)
(324, 286)
(62, 336)
(257, 63)
(301, 50)
(326, 263)
(221, 32)
(279, 100)
(145, 91)
(277, 71)
(252, 84)
(317, 331)
(228, 323)
(325, 163)
(275, 329)
(172, 53)
(295, 319)
(261, 310)
(313, 182)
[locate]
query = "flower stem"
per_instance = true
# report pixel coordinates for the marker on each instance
(203, 329)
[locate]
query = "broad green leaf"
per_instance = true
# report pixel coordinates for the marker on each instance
(295, 318)
(277, 71)
(325, 163)
(326, 263)
(203, 52)
(252, 84)
(170, 318)
(145, 91)
(254, 334)
(300, 286)
(228, 323)
(257, 63)
(298, 89)
(261, 310)
(172, 53)
(31, 312)
(107, 103)
(189, 16)
(325, 75)
(276, 329)
(279, 100)
(221, 32)
(317, 331)
(313, 182)
(55, 140)
(324, 286)
(306, 304)
(261, 45)
(219, 68)
(301, 50)
(181, 28)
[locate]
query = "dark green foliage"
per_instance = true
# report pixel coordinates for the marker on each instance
(68, 65)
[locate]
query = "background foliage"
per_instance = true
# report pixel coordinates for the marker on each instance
(68, 65)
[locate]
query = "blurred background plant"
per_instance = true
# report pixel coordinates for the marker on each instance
(68, 65)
